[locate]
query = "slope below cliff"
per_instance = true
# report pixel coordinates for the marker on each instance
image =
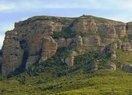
(103, 82)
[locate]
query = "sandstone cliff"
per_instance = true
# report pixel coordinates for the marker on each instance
(38, 38)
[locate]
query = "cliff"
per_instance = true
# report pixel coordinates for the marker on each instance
(38, 38)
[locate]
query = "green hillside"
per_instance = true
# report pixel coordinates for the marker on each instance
(53, 77)
(103, 82)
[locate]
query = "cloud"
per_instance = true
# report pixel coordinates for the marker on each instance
(5, 7)
(17, 5)
(115, 4)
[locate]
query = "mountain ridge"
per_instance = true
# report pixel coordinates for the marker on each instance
(38, 39)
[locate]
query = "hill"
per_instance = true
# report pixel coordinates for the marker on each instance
(86, 55)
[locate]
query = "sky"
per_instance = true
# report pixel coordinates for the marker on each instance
(12, 11)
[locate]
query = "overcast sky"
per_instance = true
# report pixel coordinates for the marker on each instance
(15, 10)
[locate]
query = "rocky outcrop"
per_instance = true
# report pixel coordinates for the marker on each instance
(84, 24)
(126, 46)
(32, 40)
(113, 55)
(129, 28)
(94, 66)
(79, 40)
(109, 28)
(70, 59)
(12, 53)
(122, 31)
(49, 48)
(127, 67)
(110, 66)
(93, 40)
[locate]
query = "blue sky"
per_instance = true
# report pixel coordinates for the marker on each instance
(15, 10)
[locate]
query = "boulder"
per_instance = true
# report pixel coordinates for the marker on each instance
(94, 66)
(127, 68)
(113, 55)
(111, 66)
(69, 61)
(79, 41)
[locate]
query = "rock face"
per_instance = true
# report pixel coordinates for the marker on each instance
(12, 53)
(84, 24)
(49, 48)
(33, 40)
(129, 28)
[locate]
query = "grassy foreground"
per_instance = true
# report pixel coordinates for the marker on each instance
(102, 82)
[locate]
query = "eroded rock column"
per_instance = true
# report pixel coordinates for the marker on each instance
(49, 48)
(12, 53)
